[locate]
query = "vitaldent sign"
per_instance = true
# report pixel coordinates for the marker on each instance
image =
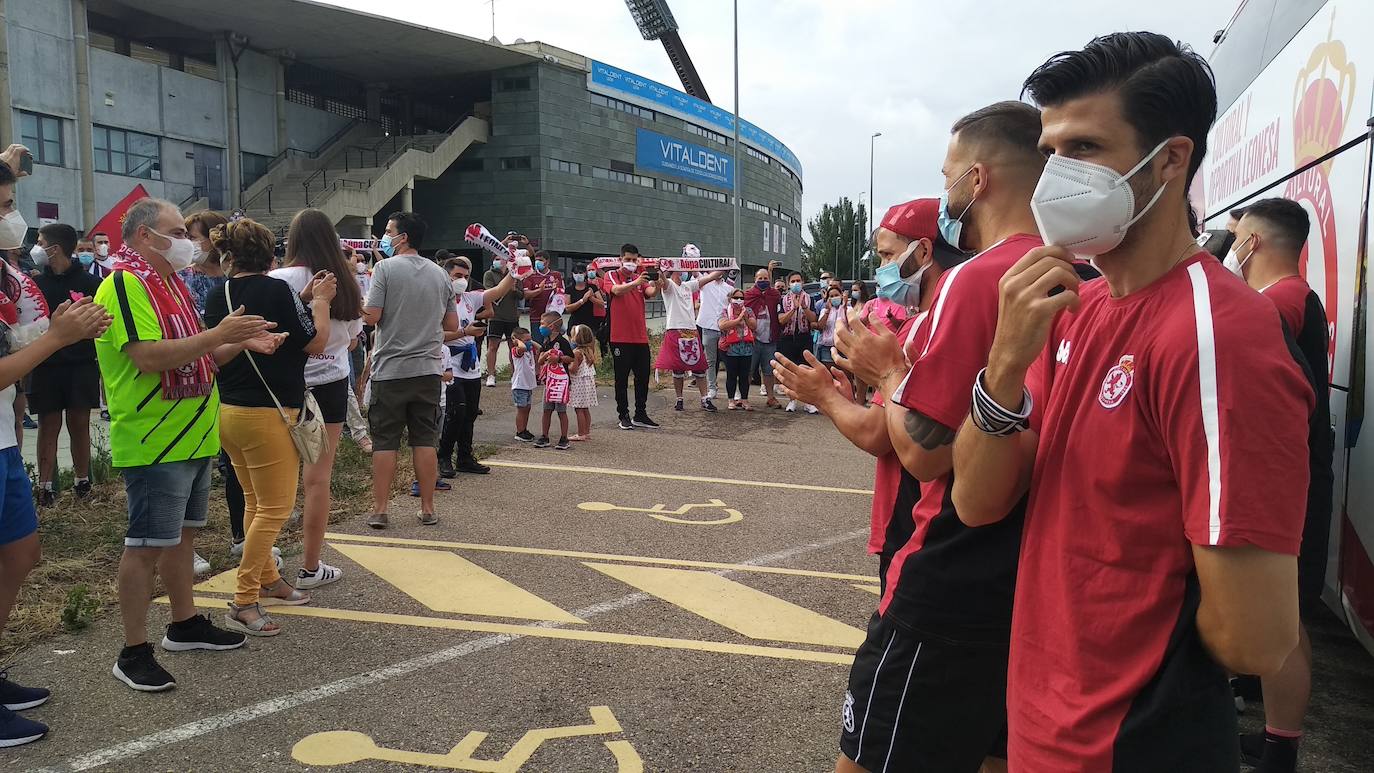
(657, 153)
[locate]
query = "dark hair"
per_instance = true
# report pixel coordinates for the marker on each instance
(796, 274)
(1237, 213)
(442, 255)
(313, 243)
(1012, 125)
(7, 176)
(246, 243)
(629, 249)
(60, 235)
(519, 331)
(1286, 217)
(544, 255)
(862, 296)
(458, 262)
(411, 225)
(99, 233)
(206, 219)
(1166, 89)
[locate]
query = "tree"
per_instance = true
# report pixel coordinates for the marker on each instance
(839, 237)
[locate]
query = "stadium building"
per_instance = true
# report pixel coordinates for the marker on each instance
(273, 105)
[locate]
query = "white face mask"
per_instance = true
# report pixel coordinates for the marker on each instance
(1086, 207)
(180, 254)
(103, 250)
(460, 285)
(39, 256)
(1234, 264)
(12, 230)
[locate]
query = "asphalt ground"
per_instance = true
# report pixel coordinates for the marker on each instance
(568, 614)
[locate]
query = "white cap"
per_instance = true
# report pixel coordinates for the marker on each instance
(691, 251)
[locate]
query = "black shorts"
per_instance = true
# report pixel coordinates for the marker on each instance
(74, 386)
(1312, 559)
(929, 705)
(333, 400)
(499, 328)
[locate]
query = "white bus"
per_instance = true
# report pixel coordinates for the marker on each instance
(1295, 90)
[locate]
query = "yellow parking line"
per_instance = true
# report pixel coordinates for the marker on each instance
(669, 476)
(595, 556)
(607, 637)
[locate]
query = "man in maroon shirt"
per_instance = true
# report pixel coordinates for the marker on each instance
(1159, 424)
(539, 288)
(1267, 252)
(928, 686)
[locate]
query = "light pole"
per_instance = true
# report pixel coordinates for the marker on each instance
(734, 165)
(854, 248)
(871, 141)
(837, 253)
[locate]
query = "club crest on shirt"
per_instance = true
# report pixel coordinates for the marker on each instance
(1118, 382)
(848, 711)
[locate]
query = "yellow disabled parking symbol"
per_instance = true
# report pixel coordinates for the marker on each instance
(344, 747)
(662, 513)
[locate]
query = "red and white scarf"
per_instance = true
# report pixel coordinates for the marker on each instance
(177, 317)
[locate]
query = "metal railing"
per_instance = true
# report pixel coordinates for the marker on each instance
(196, 193)
(311, 154)
(264, 192)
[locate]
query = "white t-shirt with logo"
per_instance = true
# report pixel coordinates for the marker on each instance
(466, 305)
(677, 301)
(714, 298)
(331, 364)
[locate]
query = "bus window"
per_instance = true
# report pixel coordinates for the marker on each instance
(1290, 16)
(1239, 55)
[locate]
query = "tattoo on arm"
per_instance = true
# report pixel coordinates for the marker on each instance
(927, 432)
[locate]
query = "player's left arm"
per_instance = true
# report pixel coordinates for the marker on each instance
(1248, 617)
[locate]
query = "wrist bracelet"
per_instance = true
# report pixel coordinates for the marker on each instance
(992, 418)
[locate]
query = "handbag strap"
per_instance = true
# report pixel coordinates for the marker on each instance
(230, 305)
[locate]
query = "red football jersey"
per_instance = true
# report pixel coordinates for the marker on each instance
(627, 311)
(1290, 297)
(1172, 417)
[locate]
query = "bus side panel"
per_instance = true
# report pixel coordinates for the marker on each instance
(1312, 98)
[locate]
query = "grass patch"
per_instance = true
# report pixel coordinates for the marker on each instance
(82, 540)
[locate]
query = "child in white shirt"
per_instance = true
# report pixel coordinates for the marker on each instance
(522, 381)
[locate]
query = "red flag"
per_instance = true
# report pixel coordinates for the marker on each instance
(113, 221)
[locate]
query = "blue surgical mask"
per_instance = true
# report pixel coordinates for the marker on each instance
(591, 273)
(684, 276)
(385, 246)
(539, 266)
(952, 228)
(579, 277)
(895, 288)
(796, 287)
(836, 302)
(544, 331)
(86, 258)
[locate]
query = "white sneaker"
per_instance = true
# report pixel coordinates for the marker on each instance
(321, 576)
(792, 406)
(813, 410)
(199, 565)
(710, 394)
(236, 550)
(491, 381)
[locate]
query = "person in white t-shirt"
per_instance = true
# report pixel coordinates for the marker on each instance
(465, 391)
(523, 353)
(714, 298)
(682, 349)
(313, 248)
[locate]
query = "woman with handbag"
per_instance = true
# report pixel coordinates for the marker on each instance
(737, 326)
(312, 250)
(262, 399)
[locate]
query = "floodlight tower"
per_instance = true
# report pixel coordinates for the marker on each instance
(656, 22)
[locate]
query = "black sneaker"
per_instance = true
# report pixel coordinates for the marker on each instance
(104, 415)
(137, 668)
(82, 489)
(29, 423)
(524, 437)
(679, 406)
(17, 731)
(446, 469)
(625, 423)
(18, 698)
(473, 466)
(707, 405)
(563, 445)
(1251, 748)
(542, 442)
(46, 497)
(198, 633)
(645, 422)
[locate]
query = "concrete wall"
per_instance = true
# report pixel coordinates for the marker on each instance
(307, 128)
(39, 33)
(134, 87)
(192, 109)
(257, 104)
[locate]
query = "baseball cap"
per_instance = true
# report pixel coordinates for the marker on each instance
(920, 219)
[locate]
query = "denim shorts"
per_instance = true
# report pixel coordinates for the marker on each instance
(164, 499)
(17, 516)
(521, 397)
(763, 354)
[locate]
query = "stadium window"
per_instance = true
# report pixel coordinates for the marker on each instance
(565, 166)
(128, 153)
(601, 173)
(670, 186)
(692, 190)
(513, 84)
(200, 68)
(707, 133)
(755, 154)
(624, 107)
(42, 134)
(516, 163)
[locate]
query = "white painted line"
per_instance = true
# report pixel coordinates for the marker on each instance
(162, 738)
(670, 476)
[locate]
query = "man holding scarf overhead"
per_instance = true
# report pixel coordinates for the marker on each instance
(159, 366)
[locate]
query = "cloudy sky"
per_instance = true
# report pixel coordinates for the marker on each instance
(823, 75)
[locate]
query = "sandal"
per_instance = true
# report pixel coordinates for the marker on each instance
(746, 407)
(293, 598)
(262, 625)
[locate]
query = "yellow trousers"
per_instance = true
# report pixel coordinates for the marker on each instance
(268, 468)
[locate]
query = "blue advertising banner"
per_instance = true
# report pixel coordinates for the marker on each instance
(659, 153)
(624, 85)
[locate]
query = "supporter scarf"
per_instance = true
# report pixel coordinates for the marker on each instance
(177, 317)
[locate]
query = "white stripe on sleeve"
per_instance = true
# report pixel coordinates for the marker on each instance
(1207, 380)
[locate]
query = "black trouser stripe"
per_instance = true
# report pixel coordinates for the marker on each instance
(199, 411)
